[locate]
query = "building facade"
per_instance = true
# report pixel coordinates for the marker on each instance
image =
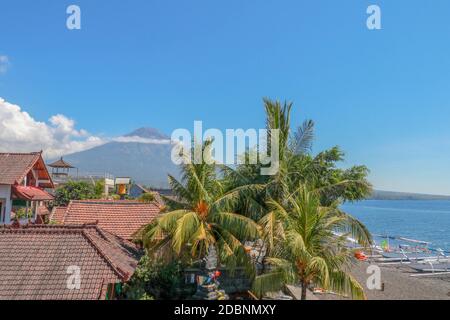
(23, 182)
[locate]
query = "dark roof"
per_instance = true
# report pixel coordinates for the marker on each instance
(143, 189)
(34, 262)
(15, 166)
(61, 164)
(122, 218)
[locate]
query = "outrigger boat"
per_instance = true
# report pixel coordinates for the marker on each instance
(419, 251)
(431, 266)
(440, 264)
(408, 256)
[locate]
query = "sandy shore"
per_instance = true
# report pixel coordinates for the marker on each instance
(399, 285)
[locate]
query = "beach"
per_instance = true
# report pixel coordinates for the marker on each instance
(399, 285)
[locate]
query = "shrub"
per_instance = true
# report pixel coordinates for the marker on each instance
(154, 279)
(146, 198)
(74, 190)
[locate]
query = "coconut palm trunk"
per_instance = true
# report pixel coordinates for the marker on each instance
(304, 290)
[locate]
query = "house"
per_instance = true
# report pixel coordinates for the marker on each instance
(23, 180)
(77, 262)
(122, 218)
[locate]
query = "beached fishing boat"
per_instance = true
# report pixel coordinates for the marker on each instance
(440, 264)
(408, 256)
(431, 266)
(397, 249)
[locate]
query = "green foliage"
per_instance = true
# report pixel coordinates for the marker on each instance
(281, 217)
(147, 198)
(74, 190)
(297, 166)
(99, 189)
(154, 279)
(22, 213)
(295, 212)
(201, 218)
(308, 245)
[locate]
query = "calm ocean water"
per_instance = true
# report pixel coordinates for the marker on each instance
(421, 220)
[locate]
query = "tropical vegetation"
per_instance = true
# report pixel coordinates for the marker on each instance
(146, 197)
(156, 279)
(78, 190)
(200, 218)
(295, 213)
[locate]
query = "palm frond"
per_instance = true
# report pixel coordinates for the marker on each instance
(303, 138)
(343, 283)
(239, 225)
(179, 190)
(186, 227)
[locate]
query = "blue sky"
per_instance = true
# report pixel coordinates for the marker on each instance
(383, 95)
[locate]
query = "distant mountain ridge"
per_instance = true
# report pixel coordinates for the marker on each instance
(148, 133)
(146, 163)
(392, 195)
(149, 162)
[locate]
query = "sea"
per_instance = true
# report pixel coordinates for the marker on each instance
(414, 219)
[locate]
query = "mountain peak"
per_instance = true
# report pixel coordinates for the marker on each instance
(148, 133)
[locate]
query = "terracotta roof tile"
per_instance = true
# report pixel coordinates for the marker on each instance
(34, 261)
(31, 193)
(57, 215)
(14, 166)
(121, 218)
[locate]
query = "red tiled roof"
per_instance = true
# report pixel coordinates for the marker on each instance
(122, 218)
(15, 166)
(57, 214)
(34, 262)
(31, 193)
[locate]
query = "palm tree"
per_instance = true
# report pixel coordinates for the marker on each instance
(308, 245)
(276, 186)
(297, 167)
(201, 218)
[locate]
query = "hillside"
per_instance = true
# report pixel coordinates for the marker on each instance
(390, 195)
(147, 162)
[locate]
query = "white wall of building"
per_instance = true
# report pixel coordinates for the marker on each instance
(5, 197)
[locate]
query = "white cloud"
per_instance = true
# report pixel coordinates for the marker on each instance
(19, 132)
(4, 64)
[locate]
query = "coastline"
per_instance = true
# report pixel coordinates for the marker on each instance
(399, 285)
